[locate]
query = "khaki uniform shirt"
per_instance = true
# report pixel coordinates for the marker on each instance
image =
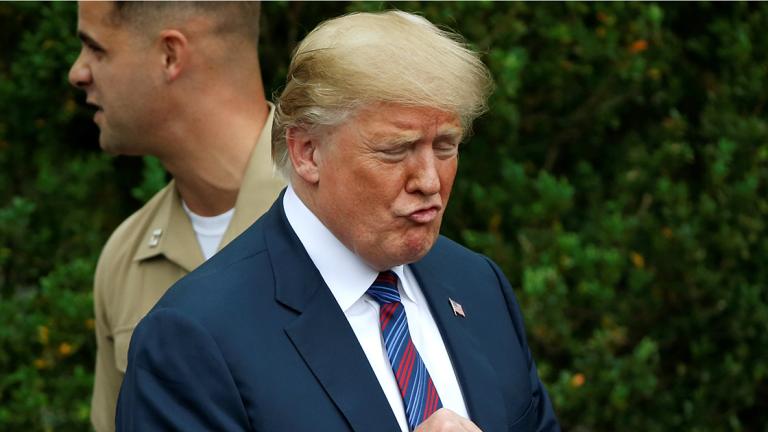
(150, 251)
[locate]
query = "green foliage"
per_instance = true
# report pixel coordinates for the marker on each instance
(620, 180)
(50, 230)
(624, 193)
(154, 178)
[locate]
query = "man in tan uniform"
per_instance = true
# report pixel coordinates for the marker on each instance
(181, 82)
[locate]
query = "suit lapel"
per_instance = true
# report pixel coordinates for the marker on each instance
(476, 377)
(329, 347)
(321, 333)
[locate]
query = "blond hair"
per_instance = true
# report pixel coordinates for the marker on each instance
(362, 58)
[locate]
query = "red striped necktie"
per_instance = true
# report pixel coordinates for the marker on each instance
(416, 388)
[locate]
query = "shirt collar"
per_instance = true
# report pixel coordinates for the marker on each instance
(345, 273)
(406, 288)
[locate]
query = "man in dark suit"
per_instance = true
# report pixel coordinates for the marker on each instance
(342, 308)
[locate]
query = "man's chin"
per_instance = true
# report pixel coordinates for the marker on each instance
(111, 152)
(113, 148)
(108, 149)
(415, 250)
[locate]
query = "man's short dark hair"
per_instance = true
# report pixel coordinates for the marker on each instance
(239, 18)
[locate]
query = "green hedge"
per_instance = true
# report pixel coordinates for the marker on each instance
(620, 180)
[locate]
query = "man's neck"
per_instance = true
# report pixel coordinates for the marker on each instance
(211, 164)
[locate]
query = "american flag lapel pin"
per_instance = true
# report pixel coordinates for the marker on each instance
(456, 307)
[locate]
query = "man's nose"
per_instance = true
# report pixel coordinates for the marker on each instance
(424, 177)
(80, 73)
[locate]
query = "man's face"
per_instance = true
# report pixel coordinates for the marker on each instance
(112, 70)
(384, 181)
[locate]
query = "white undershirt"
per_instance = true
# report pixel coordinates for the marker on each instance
(349, 277)
(209, 229)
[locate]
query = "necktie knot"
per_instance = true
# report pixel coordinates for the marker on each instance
(384, 288)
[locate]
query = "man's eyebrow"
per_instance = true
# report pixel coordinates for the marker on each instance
(395, 139)
(451, 133)
(88, 40)
(402, 139)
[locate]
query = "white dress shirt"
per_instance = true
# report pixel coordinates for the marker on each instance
(349, 277)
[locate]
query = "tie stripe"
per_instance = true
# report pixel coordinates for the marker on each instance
(419, 394)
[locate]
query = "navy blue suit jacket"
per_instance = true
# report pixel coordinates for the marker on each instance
(253, 340)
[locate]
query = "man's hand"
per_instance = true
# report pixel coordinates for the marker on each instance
(445, 420)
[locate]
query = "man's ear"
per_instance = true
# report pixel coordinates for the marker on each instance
(173, 45)
(302, 149)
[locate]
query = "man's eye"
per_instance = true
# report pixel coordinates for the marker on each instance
(94, 48)
(397, 151)
(446, 149)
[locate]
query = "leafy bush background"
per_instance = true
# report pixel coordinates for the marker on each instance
(620, 180)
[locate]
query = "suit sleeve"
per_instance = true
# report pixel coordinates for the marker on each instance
(544, 416)
(177, 380)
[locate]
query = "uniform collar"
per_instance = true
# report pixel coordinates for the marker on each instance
(170, 233)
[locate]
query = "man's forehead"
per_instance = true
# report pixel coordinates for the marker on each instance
(96, 21)
(95, 12)
(395, 121)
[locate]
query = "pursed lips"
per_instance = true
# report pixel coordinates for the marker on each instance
(424, 214)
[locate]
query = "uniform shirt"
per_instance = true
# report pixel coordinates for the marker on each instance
(150, 251)
(348, 278)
